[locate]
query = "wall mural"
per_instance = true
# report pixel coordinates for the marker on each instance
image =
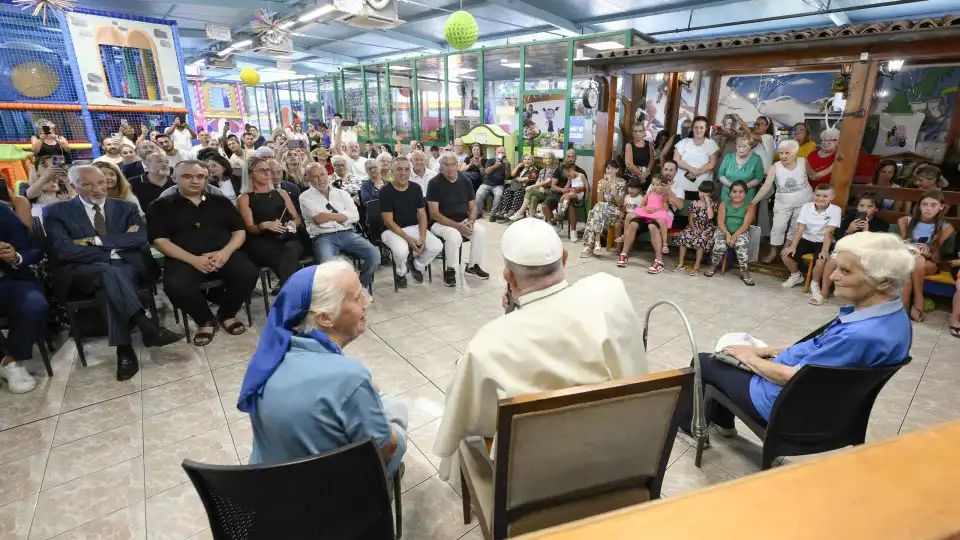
(786, 98)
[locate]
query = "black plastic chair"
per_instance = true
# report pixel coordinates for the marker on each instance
(819, 409)
(41, 343)
(76, 303)
(375, 228)
(205, 286)
(334, 496)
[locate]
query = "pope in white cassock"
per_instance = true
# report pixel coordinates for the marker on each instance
(559, 336)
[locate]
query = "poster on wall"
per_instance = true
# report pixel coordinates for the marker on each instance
(787, 99)
(577, 132)
(543, 119)
(124, 62)
(898, 133)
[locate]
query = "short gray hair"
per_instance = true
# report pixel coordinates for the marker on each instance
(398, 159)
(883, 256)
(417, 153)
(371, 164)
(446, 156)
(338, 160)
(833, 133)
(312, 165)
(789, 144)
(326, 295)
(75, 174)
(528, 273)
(184, 163)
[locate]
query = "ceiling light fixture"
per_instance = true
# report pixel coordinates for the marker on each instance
(288, 24)
(241, 44)
(658, 77)
(319, 12)
(399, 68)
(895, 65)
(604, 45)
(514, 65)
(225, 52)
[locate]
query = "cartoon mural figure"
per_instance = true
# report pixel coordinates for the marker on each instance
(897, 136)
(549, 113)
(528, 114)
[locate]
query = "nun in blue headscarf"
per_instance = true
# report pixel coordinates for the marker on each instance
(303, 394)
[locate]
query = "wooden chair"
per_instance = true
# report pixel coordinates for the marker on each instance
(573, 453)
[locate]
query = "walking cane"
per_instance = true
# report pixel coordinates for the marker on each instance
(698, 427)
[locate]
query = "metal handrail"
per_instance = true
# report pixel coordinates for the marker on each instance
(698, 425)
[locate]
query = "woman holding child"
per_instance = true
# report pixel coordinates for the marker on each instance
(606, 213)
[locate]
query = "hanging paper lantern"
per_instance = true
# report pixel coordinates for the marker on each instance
(461, 30)
(43, 6)
(249, 76)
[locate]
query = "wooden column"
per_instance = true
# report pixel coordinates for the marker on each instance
(713, 96)
(863, 80)
(634, 94)
(603, 142)
(672, 114)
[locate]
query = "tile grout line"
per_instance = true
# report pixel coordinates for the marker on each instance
(143, 442)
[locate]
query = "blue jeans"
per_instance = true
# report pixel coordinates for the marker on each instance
(26, 308)
(330, 245)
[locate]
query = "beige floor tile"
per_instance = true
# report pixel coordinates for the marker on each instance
(128, 523)
(424, 437)
(100, 451)
(43, 402)
(94, 419)
(417, 468)
(88, 498)
(175, 514)
(396, 376)
(179, 424)
(242, 433)
(229, 379)
(16, 517)
(227, 350)
(474, 534)
(27, 439)
(683, 476)
(178, 393)
(176, 361)
(205, 534)
(163, 466)
(416, 343)
(229, 403)
(436, 363)
(937, 396)
(917, 420)
(397, 327)
(424, 403)
(736, 456)
(443, 383)
(21, 477)
(432, 511)
(98, 390)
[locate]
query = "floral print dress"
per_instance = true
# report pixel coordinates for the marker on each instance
(605, 213)
(699, 233)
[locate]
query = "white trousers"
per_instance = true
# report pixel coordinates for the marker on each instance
(784, 223)
(401, 249)
(452, 241)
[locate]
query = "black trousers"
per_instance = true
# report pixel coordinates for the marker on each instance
(182, 282)
(734, 382)
(281, 256)
(115, 286)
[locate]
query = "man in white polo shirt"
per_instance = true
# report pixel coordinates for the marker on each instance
(814, 235)
(420, 174)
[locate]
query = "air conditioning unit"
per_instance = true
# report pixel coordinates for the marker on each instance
(369, 14)
(270, 47)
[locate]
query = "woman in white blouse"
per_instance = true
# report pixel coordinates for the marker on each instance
(696, 156)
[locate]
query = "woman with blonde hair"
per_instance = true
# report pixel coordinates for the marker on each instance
(293, 162)
(117, 185)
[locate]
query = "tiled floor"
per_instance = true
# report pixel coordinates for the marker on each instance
(85, 456)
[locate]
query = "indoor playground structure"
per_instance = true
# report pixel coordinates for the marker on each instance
(92, 74)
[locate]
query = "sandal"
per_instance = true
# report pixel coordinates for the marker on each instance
(586, 253)
(656, 267)
(919, 318)
(665, 250)
(710, 272)
(748, 281)
(817, 299)
(234, 329)
(202, 339)
(695, 271)
(622, 261)
(677, 268)
(955, 331)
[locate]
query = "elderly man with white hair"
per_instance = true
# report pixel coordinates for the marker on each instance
(558, 337)
(330, 214)
(404, 214)
(873, 331)
(304, 394)
(343, 178)
(453, 210)
(100, 241)
(793, 191)
(349, 150)
(420, 173)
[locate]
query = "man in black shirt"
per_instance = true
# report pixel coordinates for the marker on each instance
(148, 187)
(453, 210)
(495, 172)
(405, 218)
(201, 236)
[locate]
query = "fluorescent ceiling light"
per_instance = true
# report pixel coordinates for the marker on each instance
(288, 24)
(319, 12)
(241, 44)
(514, 65)
(467, 77)
(399, 68)
(225, 52)
(604, 45)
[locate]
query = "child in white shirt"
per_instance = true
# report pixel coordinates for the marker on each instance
(814, 236)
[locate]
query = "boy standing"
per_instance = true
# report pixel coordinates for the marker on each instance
(814, 235)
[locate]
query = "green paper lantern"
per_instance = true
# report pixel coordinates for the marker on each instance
(461, 30)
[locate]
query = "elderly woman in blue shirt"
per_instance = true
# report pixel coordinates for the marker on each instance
(304, 395)
(873, 331)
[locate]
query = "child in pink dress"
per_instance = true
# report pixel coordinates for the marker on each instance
(653, 207)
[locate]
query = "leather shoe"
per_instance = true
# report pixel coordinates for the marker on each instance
(161, 338)
(127, 363)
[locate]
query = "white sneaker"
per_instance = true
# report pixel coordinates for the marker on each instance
(518, 216)
(573, 235)
(792, 281)
(19, 380)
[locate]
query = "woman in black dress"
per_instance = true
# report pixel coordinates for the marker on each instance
(639, 158)
(271, 222)
(48, 143)
(521, 176)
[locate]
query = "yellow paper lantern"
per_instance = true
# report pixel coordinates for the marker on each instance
(34, 79)
(249, 76)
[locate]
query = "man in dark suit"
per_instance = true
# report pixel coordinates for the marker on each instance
(23, 302)
(100, 242)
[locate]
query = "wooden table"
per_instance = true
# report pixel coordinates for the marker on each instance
(905, 488)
